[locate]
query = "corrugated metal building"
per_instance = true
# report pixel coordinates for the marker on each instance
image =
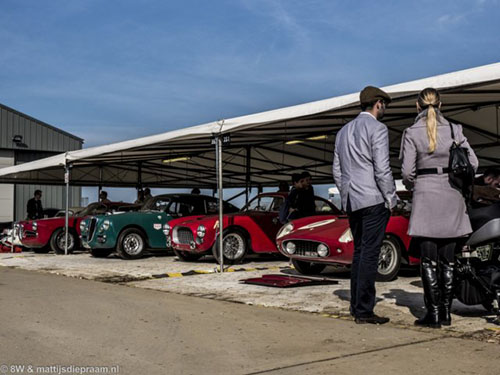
(22, 139)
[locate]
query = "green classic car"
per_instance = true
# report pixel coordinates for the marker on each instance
(131, 233)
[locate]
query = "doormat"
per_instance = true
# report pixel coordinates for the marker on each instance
(288, 281)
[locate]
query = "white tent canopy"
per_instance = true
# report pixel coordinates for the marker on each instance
(267, 147)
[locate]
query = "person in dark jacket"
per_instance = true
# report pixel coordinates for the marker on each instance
(34, 207)
(289, 209)
(305, 200)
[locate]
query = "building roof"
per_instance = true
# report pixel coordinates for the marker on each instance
(3, 106)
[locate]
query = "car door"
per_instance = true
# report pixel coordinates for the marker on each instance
(265, 214)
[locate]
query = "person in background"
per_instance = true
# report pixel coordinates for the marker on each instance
(439, 214)
(34, 206)
(305, 200)
(103, 197)
(195, 191)
(140, 197)
(288, 210)
(486, 188)
(362, 173)
(283, 187)
(147, 194)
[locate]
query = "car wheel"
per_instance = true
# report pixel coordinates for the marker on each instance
(187, 256)
(131, 244)
(58, 241)
(307, 268)
(234, 247)
(389, 259)
(100, 253)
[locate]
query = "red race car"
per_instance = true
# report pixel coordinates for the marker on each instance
(314, 242)
(253, 229)
(43, 235)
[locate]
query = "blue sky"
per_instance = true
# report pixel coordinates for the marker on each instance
(111, 70)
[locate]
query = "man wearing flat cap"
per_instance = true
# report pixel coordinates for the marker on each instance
(363, 176)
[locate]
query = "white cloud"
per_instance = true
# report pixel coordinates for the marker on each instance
(450, 19)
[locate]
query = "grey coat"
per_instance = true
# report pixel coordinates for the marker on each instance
(438, 210)
(361, 164)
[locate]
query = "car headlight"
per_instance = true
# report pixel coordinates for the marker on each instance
(290, 247)
(322, 250)
(287, 228)
(201, 231)
(346, 236)
(105, 225)
(34, 225)
(166, 229)
(83, 226)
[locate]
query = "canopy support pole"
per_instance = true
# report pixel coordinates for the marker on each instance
(66, 218)
(218, 161)
(247, 177)
(99, 188)
(139, 175)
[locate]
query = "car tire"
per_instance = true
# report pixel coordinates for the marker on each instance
(235, 245)
(57, 241)
(186, 256)
(307, 268)
(131, 244)
(100, 253)
(389, 260)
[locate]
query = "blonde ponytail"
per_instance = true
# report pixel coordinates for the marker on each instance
(428, 99)
(432, 130)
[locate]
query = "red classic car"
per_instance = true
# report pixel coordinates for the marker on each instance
(314, 242)
(252, 229)
(43, 235)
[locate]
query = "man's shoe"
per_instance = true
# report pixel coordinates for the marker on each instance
(373, 319)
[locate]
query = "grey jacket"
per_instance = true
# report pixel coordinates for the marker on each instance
(438, 210)
(361, 166)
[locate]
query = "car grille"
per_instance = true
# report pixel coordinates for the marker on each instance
(91, 230)
(306, 248)
(184, 236)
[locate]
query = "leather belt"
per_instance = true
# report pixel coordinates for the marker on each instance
(432, 171)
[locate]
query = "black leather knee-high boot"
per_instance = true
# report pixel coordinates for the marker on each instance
(431, 294)
(446, 284)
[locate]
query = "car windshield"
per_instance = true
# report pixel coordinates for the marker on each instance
(324, 207)
(213, 207)
(266, 203)
(93, 209)
(156, 204)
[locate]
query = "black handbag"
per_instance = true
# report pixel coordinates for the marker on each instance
(460, 170)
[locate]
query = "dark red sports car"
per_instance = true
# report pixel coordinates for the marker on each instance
(43, 235)
(253, 229)
(314, 242)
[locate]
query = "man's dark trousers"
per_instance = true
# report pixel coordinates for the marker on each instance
(368, 230)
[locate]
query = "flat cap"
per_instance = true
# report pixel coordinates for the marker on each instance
(371, 94)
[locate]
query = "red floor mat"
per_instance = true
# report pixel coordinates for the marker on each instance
(288, 281)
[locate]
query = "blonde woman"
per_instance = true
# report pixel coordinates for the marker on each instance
(439, 215)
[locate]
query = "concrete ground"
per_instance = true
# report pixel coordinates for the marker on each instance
(401, 299)
(54, 322)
